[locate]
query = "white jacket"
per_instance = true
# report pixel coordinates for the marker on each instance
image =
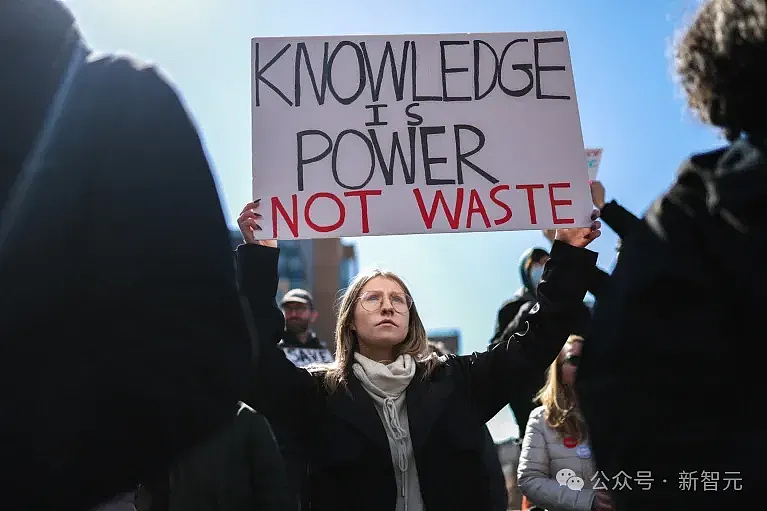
(545, 453)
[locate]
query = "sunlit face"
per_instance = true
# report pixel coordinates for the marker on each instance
(381, 314)
(571, 358)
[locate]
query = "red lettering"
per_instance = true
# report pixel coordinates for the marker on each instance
(531, 199)
(476, 206)
(363, 195)
(500, 203)
(428, 218)
(291, 221)
(555, 203)
(325, 228)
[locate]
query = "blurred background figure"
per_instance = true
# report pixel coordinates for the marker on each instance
(556, 469)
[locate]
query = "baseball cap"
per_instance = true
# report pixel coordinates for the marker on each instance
(298, 296)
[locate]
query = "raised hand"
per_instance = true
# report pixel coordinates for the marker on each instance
(581, 236)
(249, 222)
(598, 194)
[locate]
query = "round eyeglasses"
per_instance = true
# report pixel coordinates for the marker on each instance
(372, 301)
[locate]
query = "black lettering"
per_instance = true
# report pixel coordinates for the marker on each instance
(414, 69)
(463, 158)
(388, 171)
(397, 79)
(449, 70)
(418, 120)
(303, 358)
(429, 161)
(477, 44)
(318, 93)
(527, 68)
(335, 159)
(362, 76)
(540, 69)
(376, 117)
(300, 153)
(260, 75)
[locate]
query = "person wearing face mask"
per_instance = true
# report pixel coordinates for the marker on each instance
(512, 317)
(389, 426)
(531, 264)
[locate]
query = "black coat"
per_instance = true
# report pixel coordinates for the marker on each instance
(346, 444)
(239, 468)
(121, 343)
(668, 379)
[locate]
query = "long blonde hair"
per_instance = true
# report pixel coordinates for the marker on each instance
(415, 344)
(562, 412)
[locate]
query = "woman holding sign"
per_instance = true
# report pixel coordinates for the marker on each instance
(389, 426)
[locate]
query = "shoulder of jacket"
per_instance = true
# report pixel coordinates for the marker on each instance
(538, 415)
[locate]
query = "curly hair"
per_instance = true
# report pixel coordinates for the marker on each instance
(720, 62)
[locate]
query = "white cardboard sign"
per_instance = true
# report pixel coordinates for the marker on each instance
(303, 357)
(374, 135)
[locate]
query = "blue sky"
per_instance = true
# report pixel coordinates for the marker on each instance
(628, 102)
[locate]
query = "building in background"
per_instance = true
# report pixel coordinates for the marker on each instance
(324, 267)
(450, 338)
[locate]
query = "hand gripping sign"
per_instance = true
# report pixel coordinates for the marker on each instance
(373, 135)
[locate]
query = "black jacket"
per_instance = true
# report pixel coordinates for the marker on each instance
(120, 345)
(622, 221)
(668, 377)
(237, 469)
(496, 484)
(343, 437)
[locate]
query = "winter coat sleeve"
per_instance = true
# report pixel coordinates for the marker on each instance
(497, 375)
(620, 220)
(290, 397)
(506, 314)
(534, 475)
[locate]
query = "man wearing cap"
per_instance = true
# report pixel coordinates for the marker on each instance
(299, 341)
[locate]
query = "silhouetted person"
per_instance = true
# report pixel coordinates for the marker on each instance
(121, 345)
(669, 377)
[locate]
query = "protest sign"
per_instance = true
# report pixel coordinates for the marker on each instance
(593, 159)
(302, 357)
(373, 135)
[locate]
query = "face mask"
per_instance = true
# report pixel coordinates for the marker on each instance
(536, 273)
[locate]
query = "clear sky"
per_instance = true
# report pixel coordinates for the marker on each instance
(628, 102)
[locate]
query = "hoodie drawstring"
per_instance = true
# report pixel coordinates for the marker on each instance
(399, 435)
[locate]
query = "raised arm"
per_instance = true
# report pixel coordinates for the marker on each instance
(287, 395)
(618, 218)
(513, 365)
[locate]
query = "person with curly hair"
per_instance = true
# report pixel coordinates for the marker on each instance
(666, 376)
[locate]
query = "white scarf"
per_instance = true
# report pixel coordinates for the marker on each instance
(388, 380)
(386, 384)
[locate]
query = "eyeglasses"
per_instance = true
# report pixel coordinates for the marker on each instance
(372, 301)
(573, 360)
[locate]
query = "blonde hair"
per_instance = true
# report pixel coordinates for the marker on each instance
(559, 400)
(415, 344)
